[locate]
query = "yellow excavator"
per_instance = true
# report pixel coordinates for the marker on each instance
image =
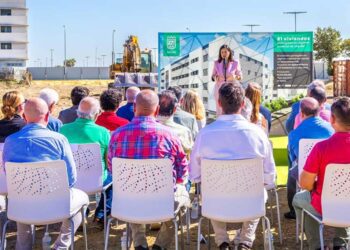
(134, 60)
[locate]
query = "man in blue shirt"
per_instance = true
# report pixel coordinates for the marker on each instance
(36, 143)
(311, 127)
(127, 111)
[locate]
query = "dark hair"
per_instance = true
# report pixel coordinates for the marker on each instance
(231, 96)
(319, 94)
(341, 110)
(167, 103)
(177, 90)
(110, 99)
(309, 110)
(230, 58)
(78, 93)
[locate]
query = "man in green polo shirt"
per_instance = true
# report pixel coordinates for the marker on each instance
(84, 130)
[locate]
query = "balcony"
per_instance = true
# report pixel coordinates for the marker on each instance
(13, 4)
(13, 20)
(19, 54)
(14, 37)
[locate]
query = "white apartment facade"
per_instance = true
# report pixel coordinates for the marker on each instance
(13, 33)
(194, 70)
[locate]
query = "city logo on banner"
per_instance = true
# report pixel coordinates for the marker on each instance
(171, 44)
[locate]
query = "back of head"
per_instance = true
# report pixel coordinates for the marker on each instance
(78, 93)
(36, 111)
(89, 108)
(314, 84)
(231, 97)
(50, 96)
(10, 103)
(146, 103)
(247, 109)
(131, 94)
(309, 106)
(110, 99)
(253, 92)
(167, 103)
(192, 104)
(177, 91)
(341, 111)
(319, 94)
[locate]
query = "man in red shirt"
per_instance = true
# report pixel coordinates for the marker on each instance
(110, 100)
(336, 149)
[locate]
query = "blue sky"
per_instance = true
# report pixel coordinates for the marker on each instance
(89, 23)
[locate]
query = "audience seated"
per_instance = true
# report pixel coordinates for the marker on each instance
(182, 117)
(247, 109)
(51, 98)
(192, 103)
(253, 92)
(318, 94)
(70, 114)
(12, 109)
(167, 108)
(37, 143)
(127, 111)
(145, 138)
(231, 136)
(84, 130)
(267, 115)
(110, 100)
(311, 127)
(336, 149)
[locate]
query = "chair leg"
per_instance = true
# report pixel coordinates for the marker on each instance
(321, 236)
(3, 237)
(72, 234)
(264, 231)
(33, 233)
(188, 223)
(270, 201)
(127, 236)
(176, 234)
(268, 225)
(301, 229)
(182, 231)
(199, 233)
(209, 243)
(278, 217)
(104, 212)
(107, 232)
(297, 231)
(83, 214)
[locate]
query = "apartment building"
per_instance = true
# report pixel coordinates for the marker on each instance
(13, 33)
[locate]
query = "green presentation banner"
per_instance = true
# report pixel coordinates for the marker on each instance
(293, 41)
(171, 44)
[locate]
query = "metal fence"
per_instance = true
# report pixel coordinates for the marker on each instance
(69, 73)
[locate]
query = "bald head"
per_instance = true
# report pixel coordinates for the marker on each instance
(309, 107)
(89, 108)
(36, 111)
(147, 103)
(131, 94)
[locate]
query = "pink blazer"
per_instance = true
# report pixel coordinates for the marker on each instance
(233, 69)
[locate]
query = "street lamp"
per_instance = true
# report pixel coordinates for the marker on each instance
(103, 60)
(188, 29)
(113, 53)
(295, 13)
(251, 26)
(65, 45)
(51, 52)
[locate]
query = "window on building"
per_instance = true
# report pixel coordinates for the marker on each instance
(5, 12)
(266, 97)
(248, 59)
(194, 60)
(205, 58)
(6, 29)
(266, 65)
(205, 86)
(266, 76)
(6, 46)
(194, 86)
(205, 100)
(194, 73)
(248, 72)
(205, 72)
(256, 73)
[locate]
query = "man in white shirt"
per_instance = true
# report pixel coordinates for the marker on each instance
(231, 136)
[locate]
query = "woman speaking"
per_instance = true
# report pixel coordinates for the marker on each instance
(226, 69)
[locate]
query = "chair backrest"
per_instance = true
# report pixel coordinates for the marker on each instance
(233, 190)
(38, 192)
(143, 190)
(305, 147)
(336, 195)
(3, 186)
(88, 160)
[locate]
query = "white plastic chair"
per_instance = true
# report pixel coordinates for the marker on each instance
(3, 187)
(233, 191)
(335, 200)
(143, 192)
(305, 147)
(87, 158)
(42, 189)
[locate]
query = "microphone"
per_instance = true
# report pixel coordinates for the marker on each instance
(224, 64)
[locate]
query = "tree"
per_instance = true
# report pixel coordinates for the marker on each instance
(346, 47)
(70, 62)
(328, 45)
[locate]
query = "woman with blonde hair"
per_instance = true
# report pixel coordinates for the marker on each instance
(12, 109)
(192, 103)
(253, 93)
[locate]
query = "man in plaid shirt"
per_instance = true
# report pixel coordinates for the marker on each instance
(145, 138)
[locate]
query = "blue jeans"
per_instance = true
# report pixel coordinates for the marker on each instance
(99, 213)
